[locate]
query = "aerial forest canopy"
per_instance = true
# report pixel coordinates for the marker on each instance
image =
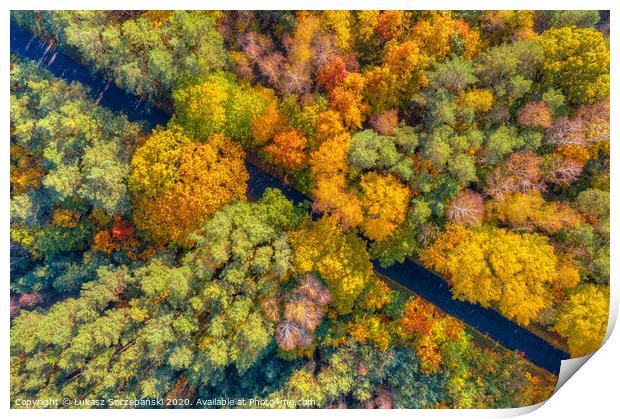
(476, 143)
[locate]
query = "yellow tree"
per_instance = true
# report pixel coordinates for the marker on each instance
(346, 99)
(339, 23)
(385, 204)
(583, 319)
(528, 211)
(401, 75)
(480, 100)
(504, 25)
(269, 123)
(494, 267)
(435, 35)
(340, 258)
(576, 60)
(177, 182)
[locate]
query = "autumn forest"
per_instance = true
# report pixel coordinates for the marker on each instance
(473, 146)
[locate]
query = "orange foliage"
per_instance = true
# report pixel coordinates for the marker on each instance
(328, 167)
(332, 74)
(288, 149)
(534, 115)
(371, 329)
(393, 24)
(429, 353)
(178, 182)
(26, 170)
(346, 99)
(420, 316)
(120, 237)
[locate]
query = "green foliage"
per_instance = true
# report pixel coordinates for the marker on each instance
(140, 55)
(76, 163)
(218, 104)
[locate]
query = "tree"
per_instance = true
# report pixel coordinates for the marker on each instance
(177, 182)
(583, 319)
(219, 104)
(340, 259)
(576, 61)
(500, 142)
(69, 163)
(522, 172)
(552, 19)
(385, 123)
(439, 35)
(530, 211)
(593, 203)
(514, 272)
(369, 151)
(288, 149)
(400, 75)
(503, 25)
(534, 115)
(302, 313)
(466, 209)
(453, 75)
(328, 169)
(385, 203)
(346, 99)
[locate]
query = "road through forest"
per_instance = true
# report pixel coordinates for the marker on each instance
(409, 274)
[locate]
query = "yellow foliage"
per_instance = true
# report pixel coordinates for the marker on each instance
(178, 182)
(270, 123)
(401, 75)
(527, 211)
(339, 22)
(158, 17)
(346, 99)
(491, 266)
(376, 296)
(26, 238)
(328, 168)
(576, 60)
(26, 170)
(339, 258)
(506, 25)
(568, 274)
(480, 100)
(576, 152)
(307, 27)
(429, 353)
(366, 23)
(370, 329)
(583, 319)
(435, 35)
(65, 218)
(385, 204)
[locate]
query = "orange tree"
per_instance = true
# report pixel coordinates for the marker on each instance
(177, 182)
